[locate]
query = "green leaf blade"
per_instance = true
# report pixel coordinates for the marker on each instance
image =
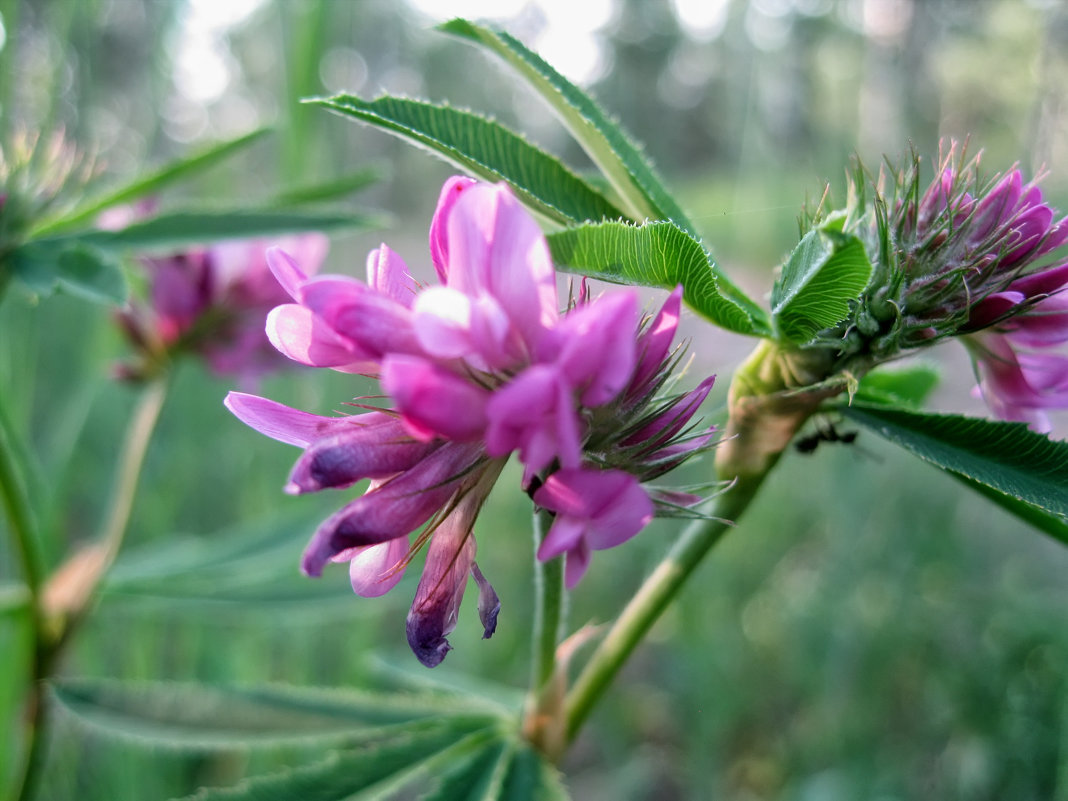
(621, 161)
(74, 267)
(825, 272)
(904, 386)
(198, 717)
(154, 182)
(180, 229)
(1008, 458)
(656, 254)
(486, 149)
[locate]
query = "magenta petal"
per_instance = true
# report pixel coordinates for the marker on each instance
(597, 347)
(377, 445)
(1044, 282)
(434, 401)
(388, 274)
(489, 603)
(439, 242)
(564, 534)
(375, 322)
(304, 337)
(578, 562)
(496, 247)
(283, 423)
(535, 414)
(992, 308)
(393, 508)
(286, 270)
(376, 569)
(655, 342)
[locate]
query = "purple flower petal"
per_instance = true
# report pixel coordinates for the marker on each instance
(375, 322)
(655, 342)
(304, 337)
(439, 242)
(392, 508)
(283, 423)
(489, 604)
(377, 445)
(387, 273)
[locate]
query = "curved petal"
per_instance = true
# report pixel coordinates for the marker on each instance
(388, 274)
(375, 322)
(433, 401)
(439, 241)
(304, 337)
(284, 423)
(376, 569)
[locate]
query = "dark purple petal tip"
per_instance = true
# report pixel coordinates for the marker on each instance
(489, 604)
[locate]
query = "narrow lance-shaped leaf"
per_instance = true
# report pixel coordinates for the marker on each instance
(1008, 458)
(654, 254)
(621, 161)
(328, 190)
(183, 228)
(826, 271)
(388, 769)
(487, 150)
(1056, 527)
(154, 182)
(197, 716)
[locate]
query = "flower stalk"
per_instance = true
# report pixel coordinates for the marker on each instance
(771, 396)
(548, 607)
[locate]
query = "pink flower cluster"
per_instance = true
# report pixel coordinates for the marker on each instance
(477, 367)
(1018, 308)
(213, 302)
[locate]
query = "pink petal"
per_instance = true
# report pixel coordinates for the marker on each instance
(433, 401)
(286, 270)
(376, 569)
(655, 342)
(283, 423)
(597, 346)
(439, 242)
(387, 273)
(375, 322)
(304, 337)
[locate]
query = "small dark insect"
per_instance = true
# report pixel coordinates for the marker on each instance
(808, 444)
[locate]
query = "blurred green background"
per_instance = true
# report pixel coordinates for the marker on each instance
(871, 630)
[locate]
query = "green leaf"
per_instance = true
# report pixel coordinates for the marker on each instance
(486, 149)
(380, 770)
(654, 254)
(175, 230)
(1007, 458)
(1056, 527)
(152, 183)
(329, 190)
(826, 271)
(71, 266)
(200, 717)
(621, 161)
(478, 779)
(531, 778)
(904, 386)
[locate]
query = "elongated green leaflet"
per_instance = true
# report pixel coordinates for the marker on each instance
(826, 271)
(329, 190)
(1007, 458)
(898, 386)
(172, 173)
(197, 716)
(621, 161)
(654, 254)
(487, 150)
(183, 228)
(1055, 526)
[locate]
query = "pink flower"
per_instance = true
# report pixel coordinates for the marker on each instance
(213, 302)
(475, 368)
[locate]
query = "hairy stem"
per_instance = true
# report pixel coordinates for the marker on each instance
(548, 609)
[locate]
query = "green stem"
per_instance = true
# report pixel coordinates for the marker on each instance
(49, 644)
(548, 609)
(18, 507)
(652, 599)
(138, 435)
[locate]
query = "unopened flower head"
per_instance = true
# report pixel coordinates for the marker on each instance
(476, 367)
(212, 302)
(964, 258)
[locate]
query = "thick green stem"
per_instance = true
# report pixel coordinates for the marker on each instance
(548, 608)
(652, 599)
(771, 397)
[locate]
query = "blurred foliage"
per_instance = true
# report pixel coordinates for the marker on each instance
(870, 631)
